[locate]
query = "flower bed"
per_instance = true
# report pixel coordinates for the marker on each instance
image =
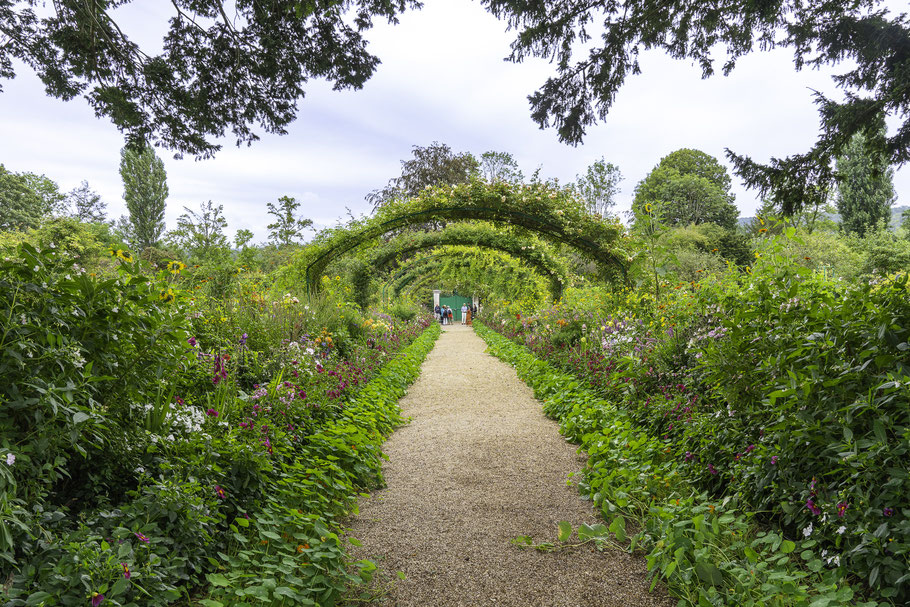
(708, 551)
(779, 388)
(157, 449)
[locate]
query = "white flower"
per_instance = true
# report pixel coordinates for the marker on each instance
(841, 529)
(36, 268)
(808, 530)
(10, 459)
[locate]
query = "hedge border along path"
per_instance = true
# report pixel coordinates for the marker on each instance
(306, 563)
(708, 552)
(479, 466)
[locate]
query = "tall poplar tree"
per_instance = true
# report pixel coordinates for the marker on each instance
(145, 192)
(865, 191)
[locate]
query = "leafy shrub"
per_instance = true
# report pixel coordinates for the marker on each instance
(777, 387)
(403, 312)
(709, 551)
(141, 433)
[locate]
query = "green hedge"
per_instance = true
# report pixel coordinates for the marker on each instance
(706, 552)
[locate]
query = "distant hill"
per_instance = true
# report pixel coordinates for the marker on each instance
(896, 217)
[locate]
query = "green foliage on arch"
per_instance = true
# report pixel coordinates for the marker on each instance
(542, 208)
(532, 250)
(486, 273)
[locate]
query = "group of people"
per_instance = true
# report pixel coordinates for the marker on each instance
(445, 315)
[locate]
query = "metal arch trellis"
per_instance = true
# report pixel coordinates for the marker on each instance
(534, 257)
(414, 268)
(404, 270)
(555, 232)
(418, 273)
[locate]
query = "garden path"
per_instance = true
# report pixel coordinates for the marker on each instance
(478, 465)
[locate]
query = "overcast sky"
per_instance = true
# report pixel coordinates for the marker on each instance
(443, 79)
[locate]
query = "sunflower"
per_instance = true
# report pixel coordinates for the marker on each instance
(166, 296)
(175, 267)
(122, 254)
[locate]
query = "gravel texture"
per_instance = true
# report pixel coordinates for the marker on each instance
(478, 465)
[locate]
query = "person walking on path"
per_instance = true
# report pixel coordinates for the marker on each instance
(438, 312)
(464, 313)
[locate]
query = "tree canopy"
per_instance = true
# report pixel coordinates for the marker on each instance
(26, 199)
(866, 191)
(873, 43)
(435, 164)
(688, 187)
(224, 67)
(145, 192)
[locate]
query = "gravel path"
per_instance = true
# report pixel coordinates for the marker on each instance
(478, 465)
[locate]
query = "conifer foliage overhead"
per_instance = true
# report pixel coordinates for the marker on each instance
(225, 67)
(873, 43)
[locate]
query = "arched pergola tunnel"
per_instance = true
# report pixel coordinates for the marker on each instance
(437, 264)
(538, 208)
(536, 253)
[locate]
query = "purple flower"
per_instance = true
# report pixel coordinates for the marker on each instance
(192, 341)
(243, 339)
(773, 459)
(126, 570)
(888, 511)
(211, 412)
(97, 599)
(220, 492)
(842, 509)
(812, 507)
(142, 538)
(750, 448)
(689, 456)
(711, 469)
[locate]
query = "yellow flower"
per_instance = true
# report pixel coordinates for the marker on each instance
(174, 267)
(166, 296)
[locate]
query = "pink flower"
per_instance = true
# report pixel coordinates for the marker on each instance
(220, 492)
(842, 509)
(812, 507)
(773, 459)
(126, 570)
(142, 538)
(97, 599)
(212, 412)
